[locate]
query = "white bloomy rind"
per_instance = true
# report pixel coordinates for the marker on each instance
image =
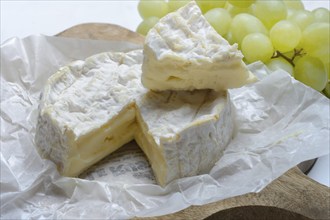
(93, 107)
(183, 52)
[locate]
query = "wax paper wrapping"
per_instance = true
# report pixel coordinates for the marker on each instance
(279, 123)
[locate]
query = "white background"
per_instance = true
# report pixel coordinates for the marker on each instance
(23, 18)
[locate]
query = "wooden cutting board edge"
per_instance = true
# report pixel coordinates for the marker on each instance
(102, 31)
(291, 196)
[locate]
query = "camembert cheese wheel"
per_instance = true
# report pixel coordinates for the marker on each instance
(91, 108)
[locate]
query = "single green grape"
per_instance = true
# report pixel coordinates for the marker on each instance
(327, 68)
(302, 18)
(230, 38)
(174, 5)
(321, 15)
(322, 53)
(206, 5)
(315, 40)
(152, 8)
(290, 12)
(316, 34)
(270, 12)
(146, 25)
(220, 19)
(294, 4)
(233, 10)
(326, 90)
(241, 3)
(244, 24)
(285, 36)
(257, 46)
(280, 63)
(310, 71)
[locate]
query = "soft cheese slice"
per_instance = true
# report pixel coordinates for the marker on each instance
(91, 108)
(183, 52)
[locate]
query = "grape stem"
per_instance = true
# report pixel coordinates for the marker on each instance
(296, 53)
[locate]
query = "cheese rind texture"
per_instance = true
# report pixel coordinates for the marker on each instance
(183, 52)
(91, 108)
(190, 129)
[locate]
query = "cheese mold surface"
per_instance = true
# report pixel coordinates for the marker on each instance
(183, 52)
(91, 108)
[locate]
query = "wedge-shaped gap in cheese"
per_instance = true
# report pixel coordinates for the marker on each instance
(127, 164)
(86, 117)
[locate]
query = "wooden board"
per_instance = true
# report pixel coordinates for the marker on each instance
(100, 31)
(291, 196)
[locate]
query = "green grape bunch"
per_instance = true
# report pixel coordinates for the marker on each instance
(280, 33)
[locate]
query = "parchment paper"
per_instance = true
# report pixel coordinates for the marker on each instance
(279, 123)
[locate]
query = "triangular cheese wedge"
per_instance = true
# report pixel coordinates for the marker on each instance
(183, 52)
(91, 108)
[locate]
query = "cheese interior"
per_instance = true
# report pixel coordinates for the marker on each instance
(93, 146)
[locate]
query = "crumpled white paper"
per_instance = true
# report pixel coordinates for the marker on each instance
(279, 123)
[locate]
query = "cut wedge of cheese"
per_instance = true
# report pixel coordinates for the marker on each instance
(93, 107)
(183, 52)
